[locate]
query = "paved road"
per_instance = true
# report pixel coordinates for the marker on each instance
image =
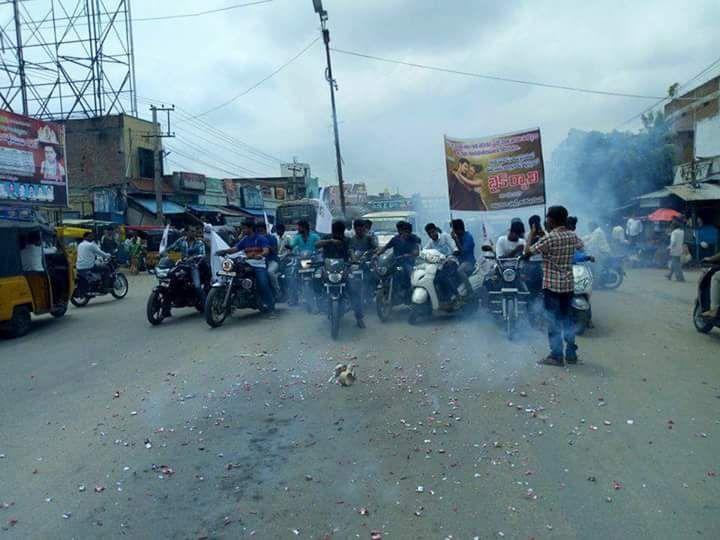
(182, 431)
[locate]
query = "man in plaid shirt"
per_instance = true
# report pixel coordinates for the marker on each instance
(557, 249)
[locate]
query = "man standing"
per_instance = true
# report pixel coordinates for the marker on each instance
(677, 239)
(557, 248)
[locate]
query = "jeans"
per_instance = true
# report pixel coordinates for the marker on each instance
(464, 271)
(195, 275)
(676, 268)
(355, 294)
(560, 324)
(715, 291)
(273, 269)
(263, 283)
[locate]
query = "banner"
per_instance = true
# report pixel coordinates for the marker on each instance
(32, 162)
(495, 173)
(323, 223)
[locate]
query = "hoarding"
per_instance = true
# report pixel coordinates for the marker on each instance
(495, 173)
(32, 162)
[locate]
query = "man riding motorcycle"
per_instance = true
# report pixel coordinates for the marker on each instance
(87, 254)
(466, 255)
(406, 247)
(338, 247)
(190, 246)
(445, 244)
(714, 311)
(256, 248)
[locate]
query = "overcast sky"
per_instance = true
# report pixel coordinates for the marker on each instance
(393, 118)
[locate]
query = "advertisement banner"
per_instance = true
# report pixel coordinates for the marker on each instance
(495, 173)
(32, 162)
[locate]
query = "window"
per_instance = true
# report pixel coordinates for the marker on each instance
(146, 163)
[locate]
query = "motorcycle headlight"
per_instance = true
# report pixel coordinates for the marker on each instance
(509, 275)
(334, 277)
(227, 265)
(305, 264)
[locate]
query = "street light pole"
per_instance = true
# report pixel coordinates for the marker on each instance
(329, 76)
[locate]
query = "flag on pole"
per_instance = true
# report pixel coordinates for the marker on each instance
(323, 223)
(216, 244)
(164, 240)
(267, 222)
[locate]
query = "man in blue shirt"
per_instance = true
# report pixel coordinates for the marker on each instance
(466, 246)
(256, 248)
(190, 246)
(273, 261)
(406, 248)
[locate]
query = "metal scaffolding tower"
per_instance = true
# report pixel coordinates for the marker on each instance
(62, 59)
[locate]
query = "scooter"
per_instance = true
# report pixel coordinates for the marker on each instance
(581, 310)
(702, 303)
(109, 282)
(427, 299)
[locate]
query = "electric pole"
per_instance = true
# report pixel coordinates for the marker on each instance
(21, 57)
(157, 151)
(333, 86)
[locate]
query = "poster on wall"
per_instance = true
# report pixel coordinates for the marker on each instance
(32, 162)
(499, 172)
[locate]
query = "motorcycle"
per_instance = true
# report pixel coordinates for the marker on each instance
(702, 303)
(235, 288)
(175, 289)
(507, 293)
(307, 273)
(427, 298)
(390, 289)
(581, 310)
(335, 278)
(110, 281)
(610, 273)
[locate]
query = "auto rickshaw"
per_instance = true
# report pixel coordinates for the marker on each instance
(36, 275)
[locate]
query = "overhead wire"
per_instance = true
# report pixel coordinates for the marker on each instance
(495, 77)
(201, 13)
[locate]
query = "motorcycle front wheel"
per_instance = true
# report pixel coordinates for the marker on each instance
(120, 286)
(383, 304)
(419, 311)
(334, 318)
(308, 296)
(611, 279)
(215, 310)
(154, 309)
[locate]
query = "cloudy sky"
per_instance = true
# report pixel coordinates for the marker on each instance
(392, 118)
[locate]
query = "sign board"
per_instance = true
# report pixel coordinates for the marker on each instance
(252, 198)
(495, 173)
(190, 181)
(32, 162)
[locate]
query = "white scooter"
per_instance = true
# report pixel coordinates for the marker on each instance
(580, 304)
(426, 298)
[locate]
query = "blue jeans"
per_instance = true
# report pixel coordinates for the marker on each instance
(264, 287)
(560, 324)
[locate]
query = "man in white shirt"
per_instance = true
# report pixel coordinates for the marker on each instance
(87, 254)
(677, 239)
(32, 254)
(440, 241)
(596, 243)
(511, 244)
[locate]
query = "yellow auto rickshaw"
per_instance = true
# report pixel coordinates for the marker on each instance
(36, 275)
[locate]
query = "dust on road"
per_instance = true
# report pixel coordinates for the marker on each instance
(110, 427)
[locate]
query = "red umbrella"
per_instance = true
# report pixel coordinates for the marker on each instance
(664, 214)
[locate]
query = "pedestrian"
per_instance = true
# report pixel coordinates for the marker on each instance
(557, 248)
(677, 240)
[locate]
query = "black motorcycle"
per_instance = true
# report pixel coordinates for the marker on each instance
(507, 294)
(610, 273)
(175, 289)
(236, 288)
(335, 281)
(307, 276)
(99, 283)
(391, 289)
(702, 304)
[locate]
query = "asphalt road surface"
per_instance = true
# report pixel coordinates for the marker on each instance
(112, 428)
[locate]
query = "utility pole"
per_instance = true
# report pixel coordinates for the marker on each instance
(295, 169)
(157, 151)
(21, 57)
(333, 86)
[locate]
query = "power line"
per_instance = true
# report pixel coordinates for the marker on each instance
(261, 81)
(651, 107)
(497, 78)
(205, 163)
(200, 13)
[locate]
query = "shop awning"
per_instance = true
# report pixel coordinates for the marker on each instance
(168, 207)
(705, 191)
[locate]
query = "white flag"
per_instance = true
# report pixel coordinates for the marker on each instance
(323, 224)
(216, 244)
(267, 222)
(164, 240)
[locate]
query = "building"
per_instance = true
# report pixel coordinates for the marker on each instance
(275, 190)
(389, 201)
(105, 154)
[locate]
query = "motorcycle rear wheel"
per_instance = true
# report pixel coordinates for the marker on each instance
(612, 279)
(79, 301)
(701, 325)
(120, 286)
(154, 309)
(215, 311)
